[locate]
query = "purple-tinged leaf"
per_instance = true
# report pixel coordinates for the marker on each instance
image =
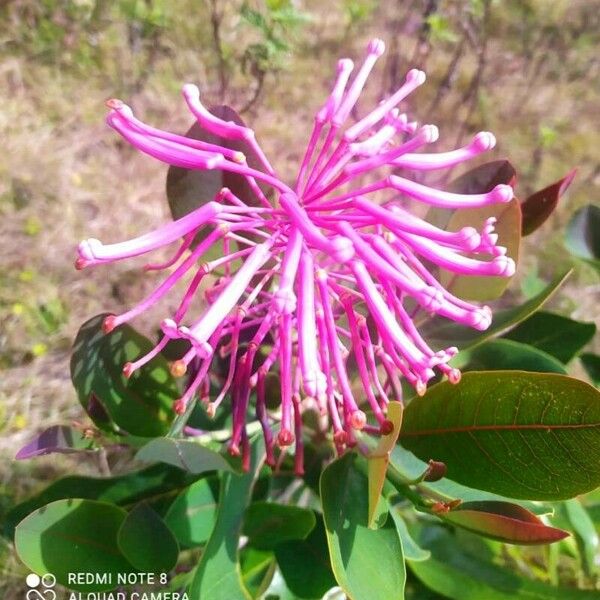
(503, 521)
(484, 178)
(540, 205)
(58, 438)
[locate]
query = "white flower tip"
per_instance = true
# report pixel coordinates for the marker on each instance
(470, 238)
(502, 193)
(115, 104)
(169, 328)
(190, 90)
(345, 65)
(430, 133)
(376, 47)
(481, 318)
(483, 141)
(416, 77)
(88, 249)
(343, 249)
(504, 266)
(284, 301)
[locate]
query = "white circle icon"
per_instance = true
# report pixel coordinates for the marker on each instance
(32, 580)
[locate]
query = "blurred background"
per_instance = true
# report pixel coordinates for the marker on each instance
(528, 70)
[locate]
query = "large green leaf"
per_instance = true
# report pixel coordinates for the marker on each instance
(305, 564)
(218, 575)
(147, 542)
(257, 569)
(191, 516)
(367, 563)
(456, 573)
(267, 524)
(524, 435)
(580, 523)
(442, 332)
(74, 536)
(140, 405)
(582, 237)
(559, 336)
(121, 490)
(188, 455)
(505, 355)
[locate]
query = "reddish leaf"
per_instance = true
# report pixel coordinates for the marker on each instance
(540, 205)
(59, 438)
(504, 522)
(484, 178)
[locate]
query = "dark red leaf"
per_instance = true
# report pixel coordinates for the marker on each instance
(540, 205)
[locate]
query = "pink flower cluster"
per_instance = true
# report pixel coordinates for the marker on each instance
(332, 269)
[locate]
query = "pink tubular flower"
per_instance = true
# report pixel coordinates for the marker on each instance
(328, 267)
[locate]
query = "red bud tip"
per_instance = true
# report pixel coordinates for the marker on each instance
(386, 427)
(358, 419)
(80, 263)
(234, 449)
(179, 406)
(178, 368)
(285, 438)
(454, 376)
(114, 103)
(420, 388)
(211, 409)
(127, 370)
(109, 324)
(435, 471)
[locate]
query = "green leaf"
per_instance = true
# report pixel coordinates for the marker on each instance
(456, 573)
(140, 405)
(559, 336)
(356, 551)
(122, 490)
(185, 454)
(505, 355)
(147, 542)
(266, 524)
(412, 550)
(508, 228)
(591, 364)
(191, 516)
(218, 575)
(73, 536)
(304, 564)
(442, 332)
(378, 459)
(524, 435)
(540, 205)
(503, 521)
(582, 237)
(585, 534)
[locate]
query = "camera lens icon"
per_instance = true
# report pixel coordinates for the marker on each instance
(32, 580)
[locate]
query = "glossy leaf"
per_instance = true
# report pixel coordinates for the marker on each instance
(484, 178)
(523, 435)
(540, 205)
(218, 574)
(508, 228)
(58, 438)
(186, 454)
(504, 355)
(266, 524)
(559, 336)
(378, 459)
(147, 542)
(456, 573)
(305, 564)
(121, 490)
(140, 405)
(591, 364)
(73, 536)
(582, 237)
(503, 521)
(356, 551)
(191, 516)
(442, 332)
